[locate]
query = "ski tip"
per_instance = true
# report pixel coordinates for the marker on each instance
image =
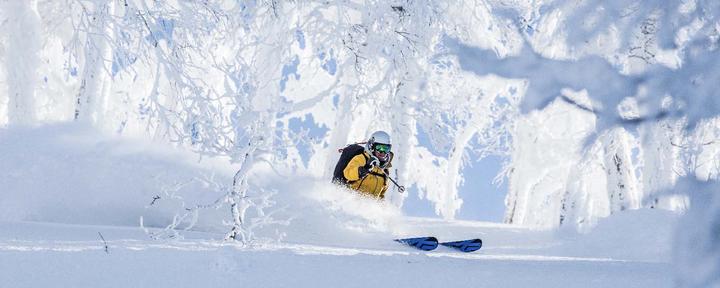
(469, 245)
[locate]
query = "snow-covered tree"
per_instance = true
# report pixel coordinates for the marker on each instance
(673, 85)
(97, 54)
(22, 47)
(596, 106)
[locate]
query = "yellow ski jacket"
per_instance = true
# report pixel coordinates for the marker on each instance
(373, 183)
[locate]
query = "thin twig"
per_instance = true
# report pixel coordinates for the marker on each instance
(107, 250)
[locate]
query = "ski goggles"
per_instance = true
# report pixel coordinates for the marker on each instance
(382, 148)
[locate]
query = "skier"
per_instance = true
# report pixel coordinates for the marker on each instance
(366, 168)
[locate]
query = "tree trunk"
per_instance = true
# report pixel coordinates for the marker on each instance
(90, 100)
(23, 45)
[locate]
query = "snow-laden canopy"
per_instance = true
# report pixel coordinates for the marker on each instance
(594, 106)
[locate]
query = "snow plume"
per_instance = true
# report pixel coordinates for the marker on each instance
(347, 211)
(73, 174)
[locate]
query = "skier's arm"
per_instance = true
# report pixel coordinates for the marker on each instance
(355, 168)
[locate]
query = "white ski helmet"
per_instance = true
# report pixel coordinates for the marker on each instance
(378, 137)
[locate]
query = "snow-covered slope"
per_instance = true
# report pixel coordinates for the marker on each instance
(58, 255)
(71, 201)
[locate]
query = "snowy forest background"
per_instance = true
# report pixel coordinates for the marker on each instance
(594, 107)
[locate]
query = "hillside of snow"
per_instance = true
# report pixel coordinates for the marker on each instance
(73, 199)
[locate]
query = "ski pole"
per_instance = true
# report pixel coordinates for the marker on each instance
(400, 187)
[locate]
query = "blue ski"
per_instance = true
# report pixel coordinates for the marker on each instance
(422, 243)
(469, 245)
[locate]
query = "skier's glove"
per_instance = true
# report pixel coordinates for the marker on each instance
(364, 170)
(374, 162)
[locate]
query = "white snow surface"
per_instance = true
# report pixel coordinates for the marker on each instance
(71, 202)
